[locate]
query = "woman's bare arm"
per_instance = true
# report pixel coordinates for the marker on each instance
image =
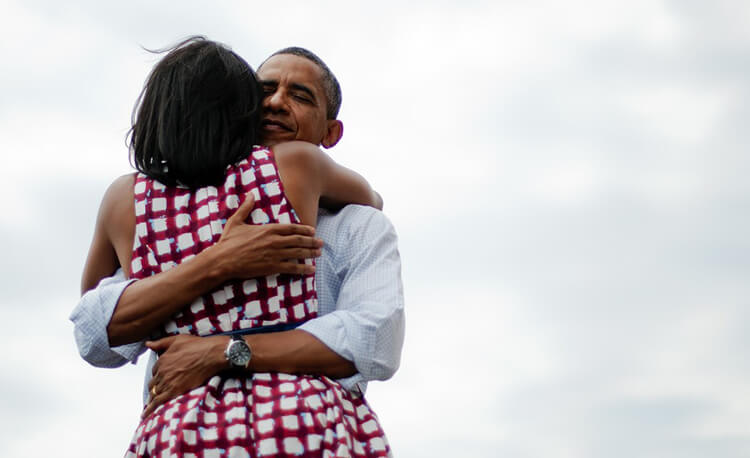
(112, 243)
(310, 176)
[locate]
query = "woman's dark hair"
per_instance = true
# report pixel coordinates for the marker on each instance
(198, 113)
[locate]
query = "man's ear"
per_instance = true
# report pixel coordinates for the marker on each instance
(334, 132)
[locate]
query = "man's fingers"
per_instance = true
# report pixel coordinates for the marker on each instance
(292, 229)
(298, 253)
(161, 345)
(241, 214)
(295, 268)
(297, 241)
(307, 242)
(154, 403)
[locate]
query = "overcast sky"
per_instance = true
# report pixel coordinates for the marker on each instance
(567, 179)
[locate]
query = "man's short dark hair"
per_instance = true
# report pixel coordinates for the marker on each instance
(330, 83)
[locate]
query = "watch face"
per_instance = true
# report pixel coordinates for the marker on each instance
(239, 353)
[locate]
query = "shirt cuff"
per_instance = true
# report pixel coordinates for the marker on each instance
(331, 329)
(91, 317)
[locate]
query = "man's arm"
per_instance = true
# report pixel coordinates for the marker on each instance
(363, 287)
(361, 306)
(187, 361)
(243, 251)
(361, 300)
(357, 338)
(360, 329)
(90, 318)
(106, 337)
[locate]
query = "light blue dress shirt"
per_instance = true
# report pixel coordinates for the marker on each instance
(360, 300)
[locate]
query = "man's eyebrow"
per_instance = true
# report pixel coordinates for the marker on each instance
(269, 83)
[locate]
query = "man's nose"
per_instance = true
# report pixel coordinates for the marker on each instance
(275, 102)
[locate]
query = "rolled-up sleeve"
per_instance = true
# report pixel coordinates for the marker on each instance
(367, 325)
(90, 319)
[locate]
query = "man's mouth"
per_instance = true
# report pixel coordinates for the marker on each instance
(275, 125)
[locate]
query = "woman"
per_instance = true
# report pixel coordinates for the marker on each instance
(192, 142)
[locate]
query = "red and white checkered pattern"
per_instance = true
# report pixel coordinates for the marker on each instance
(263, 414)
(174, 224)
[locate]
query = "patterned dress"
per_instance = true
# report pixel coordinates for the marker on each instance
(263, 414)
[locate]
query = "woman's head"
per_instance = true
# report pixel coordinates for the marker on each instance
(198, 113)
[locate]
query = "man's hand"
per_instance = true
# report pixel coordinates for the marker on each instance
(255, 251)
(243, 251)
(186, 362)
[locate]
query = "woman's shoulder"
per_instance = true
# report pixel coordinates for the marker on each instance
(121, 186)
(297, 151)
(123, 183)
(119, 195)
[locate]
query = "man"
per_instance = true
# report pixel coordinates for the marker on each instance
(358, 336)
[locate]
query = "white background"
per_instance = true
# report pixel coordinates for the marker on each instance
(568, 181)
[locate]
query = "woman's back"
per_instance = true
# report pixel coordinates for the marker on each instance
(174, 224)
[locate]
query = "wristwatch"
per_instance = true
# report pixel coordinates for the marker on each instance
(238, 352)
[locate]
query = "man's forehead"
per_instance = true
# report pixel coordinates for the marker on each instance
(291, 69)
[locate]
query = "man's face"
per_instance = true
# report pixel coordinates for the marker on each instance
(294, 103)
